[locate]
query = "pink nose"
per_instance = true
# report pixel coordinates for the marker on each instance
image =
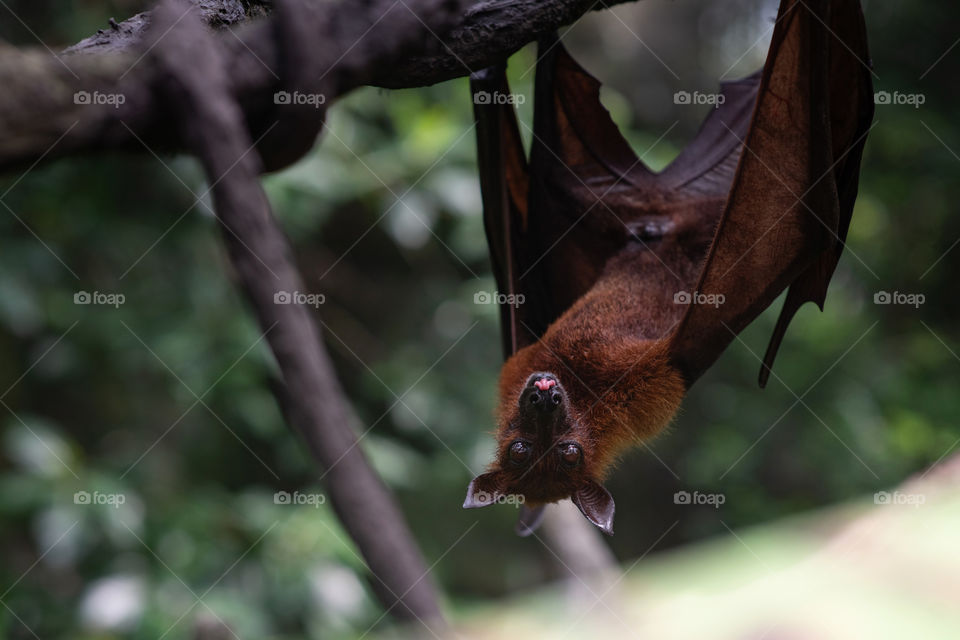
(544, 384)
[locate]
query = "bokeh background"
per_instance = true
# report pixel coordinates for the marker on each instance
(165, 400)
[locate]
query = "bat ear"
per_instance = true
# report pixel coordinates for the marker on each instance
(596, 503)
(485, 489)
(530, 519)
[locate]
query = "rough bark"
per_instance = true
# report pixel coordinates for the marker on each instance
(39, 116)
(487, 33)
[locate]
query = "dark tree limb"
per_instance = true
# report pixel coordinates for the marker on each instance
(185, 88)
(128, 35)
(39, 116)
(193, 84)
(488, 32)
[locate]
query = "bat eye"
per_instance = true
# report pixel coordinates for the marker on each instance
(570, 453)
(519, 452)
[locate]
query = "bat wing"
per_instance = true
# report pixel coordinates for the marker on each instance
(551, 223)
(584, 182)
(789, 207)
(504, 183)
(760, 201)
(707, 165)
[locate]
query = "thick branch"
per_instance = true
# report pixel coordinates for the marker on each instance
(195, 90)
(489, 33)
(39, 114)
(126, 36)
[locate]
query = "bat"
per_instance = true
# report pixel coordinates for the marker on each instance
(625, 284)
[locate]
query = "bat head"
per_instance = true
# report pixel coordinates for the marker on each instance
(543, 456)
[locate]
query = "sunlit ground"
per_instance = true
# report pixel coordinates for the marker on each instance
(860, 570)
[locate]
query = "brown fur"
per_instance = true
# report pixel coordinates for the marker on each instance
(609, 352)
(621, 389)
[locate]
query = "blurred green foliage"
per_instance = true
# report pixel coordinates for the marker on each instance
(166, 398)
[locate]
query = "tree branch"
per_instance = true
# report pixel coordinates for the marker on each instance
(40, 117)
(127, 35)
(195, 88)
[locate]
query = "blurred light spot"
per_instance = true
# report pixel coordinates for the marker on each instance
(19, 310)
(338, 591)
(410, 221)
(458, 190)
(58, 532)
(38, 447)
(114, 603)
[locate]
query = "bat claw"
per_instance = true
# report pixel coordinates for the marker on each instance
(530, 519)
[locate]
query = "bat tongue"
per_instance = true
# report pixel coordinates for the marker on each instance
(544, 384)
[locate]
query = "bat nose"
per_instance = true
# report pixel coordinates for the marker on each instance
(546, 399)
(542, 393)
(542, 381)
(545, 383)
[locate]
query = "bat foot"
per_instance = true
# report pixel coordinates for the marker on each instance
(530, 519)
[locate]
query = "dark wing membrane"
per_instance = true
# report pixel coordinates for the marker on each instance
(707, 165)
(548, 231)
(851, 110)
(572, 127)
(553, 226)
(589, 192)
(584, 178)
(789, 207)
(503, 186)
